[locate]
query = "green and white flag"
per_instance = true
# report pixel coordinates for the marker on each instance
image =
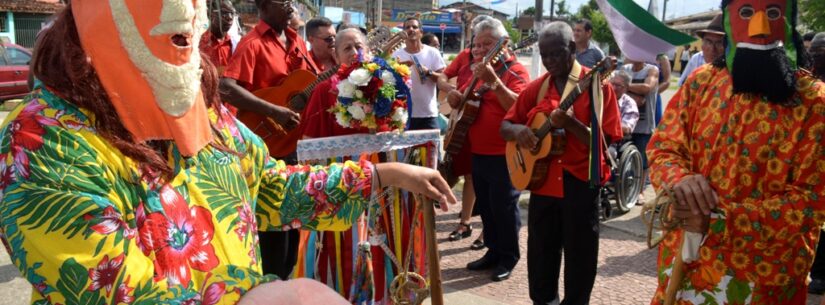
(639, 35)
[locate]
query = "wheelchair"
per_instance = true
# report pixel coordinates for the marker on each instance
(627, 179)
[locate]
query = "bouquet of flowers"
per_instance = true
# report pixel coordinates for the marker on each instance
(373, 94)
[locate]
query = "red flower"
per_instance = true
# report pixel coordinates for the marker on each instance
(213, 293)
(345, 70)
(110, 222)
(26, 132)
(105, 274)
(247, 221)
(316, 188)
(181, 238)
(122, 295)
(372, 88)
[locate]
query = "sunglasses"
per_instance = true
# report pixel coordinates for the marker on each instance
(329, 39)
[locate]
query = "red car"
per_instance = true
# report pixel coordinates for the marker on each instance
(14, 71)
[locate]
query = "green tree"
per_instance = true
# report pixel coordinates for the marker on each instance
(515, 35)
(529, 11)
(562, 9)
(601, 30)
(812, 14)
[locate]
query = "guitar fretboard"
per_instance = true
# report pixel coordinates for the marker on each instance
(321, 77)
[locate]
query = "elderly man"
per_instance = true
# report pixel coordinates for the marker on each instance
(741, 148)
(497, 200)
(563, 212)
(713, 46)
(155, 192)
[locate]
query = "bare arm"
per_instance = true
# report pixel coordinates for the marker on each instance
(664, 64)
(506, 97)
(239, 97)
(442, 82)
(651, 83)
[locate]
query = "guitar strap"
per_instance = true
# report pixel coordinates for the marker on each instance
(572, 82)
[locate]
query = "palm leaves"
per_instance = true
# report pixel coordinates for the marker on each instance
(222, 185)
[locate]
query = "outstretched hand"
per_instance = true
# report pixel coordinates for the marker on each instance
(416, 179)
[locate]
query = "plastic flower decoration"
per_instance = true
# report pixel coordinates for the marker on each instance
(373, 95)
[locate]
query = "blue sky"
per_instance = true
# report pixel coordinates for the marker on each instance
(675, 8)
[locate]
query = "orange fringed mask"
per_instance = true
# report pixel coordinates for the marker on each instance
(145, 53)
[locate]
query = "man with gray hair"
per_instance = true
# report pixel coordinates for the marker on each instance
(496, 198)
(563, 213)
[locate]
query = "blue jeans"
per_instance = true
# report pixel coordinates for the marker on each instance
(640, 140)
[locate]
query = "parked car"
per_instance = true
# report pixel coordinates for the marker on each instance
(14, 71)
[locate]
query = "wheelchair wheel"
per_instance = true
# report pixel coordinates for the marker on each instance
(630, 177)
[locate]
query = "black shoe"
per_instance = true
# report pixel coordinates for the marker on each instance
(477, 245)
(482, 263)
(459, 235)
(817, 286)
(500, 273)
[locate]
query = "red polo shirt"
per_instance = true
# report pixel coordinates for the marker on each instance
(218, 50)
(262, 61)
(575, 158)
(455, 67)
(484, 134)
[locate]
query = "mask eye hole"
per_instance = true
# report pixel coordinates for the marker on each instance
(746, 12)
(773, 12)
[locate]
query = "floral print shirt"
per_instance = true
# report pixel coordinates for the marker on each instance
(766, 163)
(83, 226)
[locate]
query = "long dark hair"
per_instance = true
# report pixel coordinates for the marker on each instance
(62, 65)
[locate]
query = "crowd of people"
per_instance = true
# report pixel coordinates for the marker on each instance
(127, 176)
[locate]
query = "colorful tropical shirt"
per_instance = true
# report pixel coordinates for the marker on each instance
(84, 227)
(766, 163)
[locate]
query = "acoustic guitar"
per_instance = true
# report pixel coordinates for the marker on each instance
(293, 92)
(464, 115)
(528, 167)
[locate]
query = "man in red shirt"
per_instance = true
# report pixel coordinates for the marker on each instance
(496, 198)
(215, 43)
(321, 38)
(564, 210)
(264, 57)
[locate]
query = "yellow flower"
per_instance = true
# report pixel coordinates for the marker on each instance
(774, 186)
(800, 265)
(372, 66)
(764, 153)
(813, 179)
(705, 253)
(764, 268)
(763, 127)
(716, 174)
(739, 243)
(817, 131)
(775, 166)
(799, 113)
(794, 218)
(742, 223)
(786, 146)
(401, 69)
(740, 261)
(745, 180)
(762, 109)
(780, 279)
(719, 266)
(748, 117)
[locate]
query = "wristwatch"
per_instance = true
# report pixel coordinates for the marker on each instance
(493, 86)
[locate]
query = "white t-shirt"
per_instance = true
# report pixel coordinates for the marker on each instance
(424, 103)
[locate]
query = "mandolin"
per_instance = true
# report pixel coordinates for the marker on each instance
(465, 114)
(528, 168)
(293, 92)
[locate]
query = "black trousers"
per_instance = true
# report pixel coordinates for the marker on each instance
(497, 202)
(570, 224)
(423, 123)
(818, 268)
(279, 250)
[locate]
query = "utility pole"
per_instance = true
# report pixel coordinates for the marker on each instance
(464, 22)
(664, 10)
(535, 62)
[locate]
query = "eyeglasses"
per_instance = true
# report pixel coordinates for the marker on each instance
(286, 4)
(715, 44)
(329, 39)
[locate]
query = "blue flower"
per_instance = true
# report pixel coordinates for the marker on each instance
(382, 107)
(346, 101)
